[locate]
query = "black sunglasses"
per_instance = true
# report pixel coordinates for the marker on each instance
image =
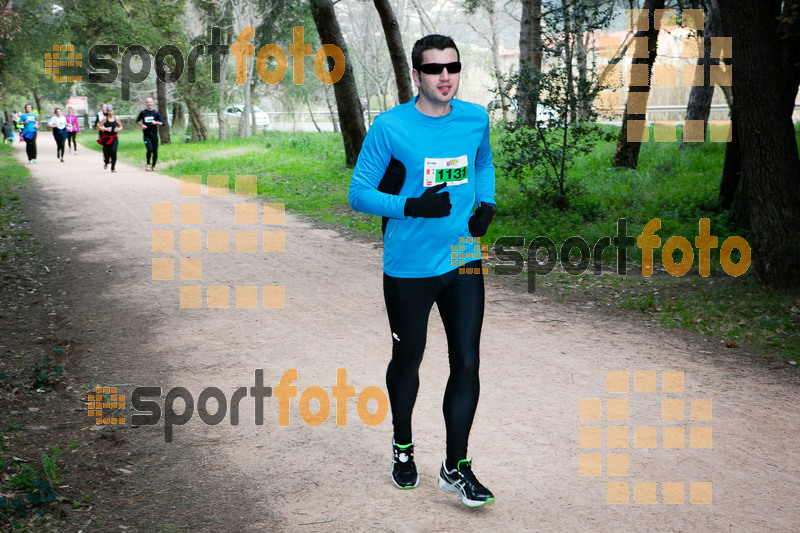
(436, 68)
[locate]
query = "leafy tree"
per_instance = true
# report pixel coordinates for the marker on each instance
(539, 156)
(699, 105)
(761, 174)
(394, 40)
(627, 153)
(346, 92)
(22, 76)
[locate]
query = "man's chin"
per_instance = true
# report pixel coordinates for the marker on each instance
(445, 97)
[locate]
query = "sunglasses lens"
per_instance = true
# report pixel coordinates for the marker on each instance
(431, 68)
(436, 68)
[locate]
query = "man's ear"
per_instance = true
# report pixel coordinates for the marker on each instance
(415, 76)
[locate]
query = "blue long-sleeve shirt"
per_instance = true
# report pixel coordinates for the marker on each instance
(29, 120)
(453, 148)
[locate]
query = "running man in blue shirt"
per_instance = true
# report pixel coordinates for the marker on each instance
(426, 167)
(29, 131)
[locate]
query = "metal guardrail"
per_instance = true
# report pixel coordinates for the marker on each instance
(324, 116)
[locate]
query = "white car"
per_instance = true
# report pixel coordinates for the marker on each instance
(543, 113)
(234, 114)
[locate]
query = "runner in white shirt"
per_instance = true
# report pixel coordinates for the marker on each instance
(58, 123)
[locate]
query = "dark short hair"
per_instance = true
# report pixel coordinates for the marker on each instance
(434, 40)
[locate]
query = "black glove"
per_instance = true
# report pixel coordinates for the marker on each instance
(479, 222)
(430, 204)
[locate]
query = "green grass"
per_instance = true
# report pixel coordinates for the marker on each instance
(679, 188)
(676, 187)
(306, 171)
(14, 178)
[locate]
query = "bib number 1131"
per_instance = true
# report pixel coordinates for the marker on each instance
(452, 170)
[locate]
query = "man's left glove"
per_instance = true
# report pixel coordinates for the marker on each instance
(479, 222)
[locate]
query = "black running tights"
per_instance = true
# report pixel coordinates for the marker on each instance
(151, 144)
(110, 153)
(30, 147)
(60, 137)
(460, 299)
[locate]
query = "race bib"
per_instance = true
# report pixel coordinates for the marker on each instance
(147, 120)
(449, 170)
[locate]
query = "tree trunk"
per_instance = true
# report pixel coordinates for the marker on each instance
(222, 123)
(496, 63)
(161, 96)
(311, 112)
(699, 105)
(178, 119)
(199, 128)
(38, 101)
(394, 40)
(222, 117)
(627, 154)
(331, 111)
(570, 39)
(367, 95)
(764, 151)
(253, 123)
(424, 19)
(253, 92)
(244, 118)
(562, 201)
(530, 61)
(728, 93)
(345, 90)
(584, 109)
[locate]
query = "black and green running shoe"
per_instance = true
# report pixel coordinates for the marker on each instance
(404, 471)
(463, 481)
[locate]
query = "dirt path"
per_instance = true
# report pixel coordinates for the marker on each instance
(539, 359)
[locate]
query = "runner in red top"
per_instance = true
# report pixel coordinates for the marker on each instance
(109, 127)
